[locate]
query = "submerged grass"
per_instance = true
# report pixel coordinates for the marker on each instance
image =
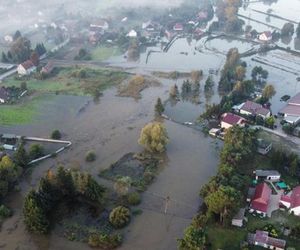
(103, 53)
(23, 113)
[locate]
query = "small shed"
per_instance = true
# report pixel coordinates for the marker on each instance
(239, 218)
(271, 175)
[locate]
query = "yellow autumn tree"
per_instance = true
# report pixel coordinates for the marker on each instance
(154, 137)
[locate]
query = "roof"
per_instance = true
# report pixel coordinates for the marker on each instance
(260, 200)
(254, 108)
(295, 197)
(178, 26)
(27, 64)
(263, 237)
(285, 198)
(281, 185)
(232, 119)
(48, 67)
(132, 33)
(9, 136)
(267, 34)
(291, 110)
(295, 100)
(265, 173)
(240, 215)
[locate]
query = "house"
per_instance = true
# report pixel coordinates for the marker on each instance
(4, 95)
(47, 69)
(100, 24)
(239, 218)
(149, 26)
(26, 68)
(262, 238)
(202, 15)
(178, 27)
(266, 36)
(260, 200)
(270, 175)
(228, 120)
(263, 147)
(254, 109)
(292, 202)
(291, 111)
(132, 34)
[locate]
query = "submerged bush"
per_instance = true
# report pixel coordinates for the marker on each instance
(134, 198)
(119, 217)
(90, 156)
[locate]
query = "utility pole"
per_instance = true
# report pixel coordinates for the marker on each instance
(167, 200)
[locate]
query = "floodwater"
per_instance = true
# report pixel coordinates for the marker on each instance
(111, 128)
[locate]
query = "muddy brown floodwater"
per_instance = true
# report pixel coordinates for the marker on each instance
(111, 128)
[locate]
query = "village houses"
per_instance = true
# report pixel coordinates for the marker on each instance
(26, 68)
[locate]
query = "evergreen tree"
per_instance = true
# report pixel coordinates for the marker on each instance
(21, 158)
(159, 108)
(34, 217)
(4, 58)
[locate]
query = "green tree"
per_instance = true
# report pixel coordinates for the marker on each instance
(270, 121)
(240, 72)
(56, 135)
(193, 239)
(159, 107)
(154, 137)
(21, 157)
(174, 91)
(268, 91)
(34, 217)
(119, 217)
(36, 151)
(222, 201)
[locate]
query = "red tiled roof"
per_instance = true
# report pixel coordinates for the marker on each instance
(295, 100)
(293, 110)
(178, 26)
(260, 200)
(286, 198)
(232, 119)
(254, 108)
(295, 197)
(27, 64)
(263, 237)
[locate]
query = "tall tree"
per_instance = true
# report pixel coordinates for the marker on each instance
(154, 137)
(21, 158)
(159, 107)
(268, 91)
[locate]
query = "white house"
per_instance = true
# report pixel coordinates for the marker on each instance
(271, 175)
(26, 68)
(100, 24)
(132, 34)
(239, 218)
(266, 36)
(229, 119)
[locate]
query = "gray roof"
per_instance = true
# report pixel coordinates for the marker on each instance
(8, 136)
(240, 215)
(265, 173)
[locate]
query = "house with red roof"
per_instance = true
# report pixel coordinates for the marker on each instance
(228, 120)
(292, 201)
(178, 27)
(262, 238)
(261, 198)
(26, 68)
(266, 36)
(254, 109)
(291, 111)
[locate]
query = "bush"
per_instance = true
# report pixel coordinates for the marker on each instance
(56, 135)
(90, 156)
(5, 212)
(134, 199)
(36, 151)
(119, 217)
(104, 241)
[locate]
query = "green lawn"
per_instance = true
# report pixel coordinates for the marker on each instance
(65, 82)
(102, 53)
(225, 238)
(21, 113)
